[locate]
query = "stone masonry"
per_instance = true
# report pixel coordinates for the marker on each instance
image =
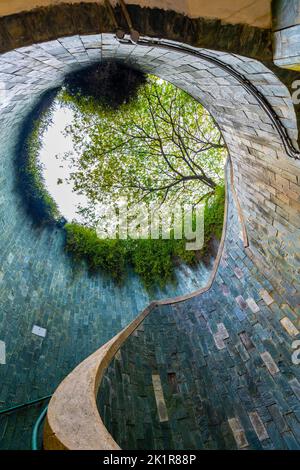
(38, 285)
(223, 362)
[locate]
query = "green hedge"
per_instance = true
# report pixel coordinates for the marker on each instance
(213, 217)
(153, 260)
(39, 203)
(108, 255)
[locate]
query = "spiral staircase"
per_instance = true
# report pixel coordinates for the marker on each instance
(214, 369)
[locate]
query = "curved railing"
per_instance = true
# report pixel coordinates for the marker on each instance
(73, 421)
(36, 429)
(35, 436)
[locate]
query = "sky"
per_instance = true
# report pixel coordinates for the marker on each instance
(55, 144)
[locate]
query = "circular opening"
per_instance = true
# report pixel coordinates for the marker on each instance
(136, 174)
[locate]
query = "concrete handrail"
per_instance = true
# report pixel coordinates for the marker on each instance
(73, 421)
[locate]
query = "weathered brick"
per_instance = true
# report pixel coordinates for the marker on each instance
(289, 326)
(266, 297)
(258, 426)
(238, 432)
(252, 305)
(269, 362)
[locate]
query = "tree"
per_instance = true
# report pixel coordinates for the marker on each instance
(162, 145)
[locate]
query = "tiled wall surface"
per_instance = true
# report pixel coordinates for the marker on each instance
(221, 363)
(37, 283)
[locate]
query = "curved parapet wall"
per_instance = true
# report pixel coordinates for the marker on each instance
(37, 283)
(73, 420)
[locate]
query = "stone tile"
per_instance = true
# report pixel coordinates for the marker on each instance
(241, 302)
(266, 297)
(239, 273)
(289, 326)
(258, 426)
(160, 399)
(246, 340)
(222, 331)
(243, 352)
(238, 432)
(290, 441)
(295, 386)
(219, 341)
(269, 362)
(240, 314)
(2, 352)
(252, 305)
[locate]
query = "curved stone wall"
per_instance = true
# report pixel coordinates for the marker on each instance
(225, 26)
(212, 372)
(38, 285)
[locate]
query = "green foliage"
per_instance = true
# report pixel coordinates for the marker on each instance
(214, 217)
(153, 260)
(110, 84)
(31, 183)
(107, 255)
(162, 145)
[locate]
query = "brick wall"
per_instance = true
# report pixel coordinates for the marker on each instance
(212, 372)
(37, 282)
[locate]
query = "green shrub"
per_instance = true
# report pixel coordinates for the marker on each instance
(153, 260)
(109, 83)
(107, 255)
(213, 217)
(31, 185)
